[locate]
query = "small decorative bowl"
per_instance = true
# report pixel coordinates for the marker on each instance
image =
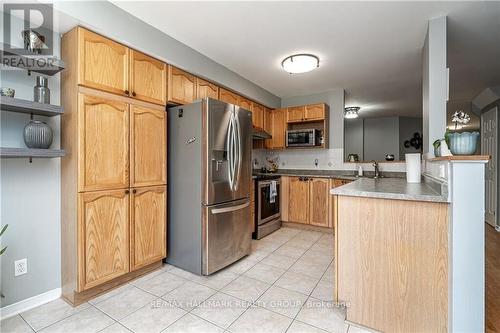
(9, 92)
(463, 143)
(389, 157)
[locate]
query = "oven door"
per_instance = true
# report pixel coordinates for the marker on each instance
(267, 210)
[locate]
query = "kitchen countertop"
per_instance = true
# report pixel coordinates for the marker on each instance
(390, 188)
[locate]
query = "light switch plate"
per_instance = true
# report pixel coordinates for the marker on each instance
(20, 267)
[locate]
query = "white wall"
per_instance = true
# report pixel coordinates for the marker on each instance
(407, 127)
(30, 198)
(30, 193)
(353, 137)
(434, 83)
(381, 137)
(328, 159)
(113, 22)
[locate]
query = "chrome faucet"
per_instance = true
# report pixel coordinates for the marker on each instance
(375, 165)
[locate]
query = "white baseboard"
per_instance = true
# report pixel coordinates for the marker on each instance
(30, 303)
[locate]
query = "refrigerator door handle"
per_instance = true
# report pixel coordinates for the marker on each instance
(229, 149)
(230, 209)
(237, 135)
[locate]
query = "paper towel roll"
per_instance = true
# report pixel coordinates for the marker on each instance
(413, 168)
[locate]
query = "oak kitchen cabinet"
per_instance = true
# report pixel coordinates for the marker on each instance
(228, 96)
(275, 124)
(113, 181)
(305, 113)
(103, 131)
(319, 193)
(258, 113)
(110, 66)
(148, 78)
(181, 86)
(103, 227)
(148, 142)
(298, 200)
(206, 89)
(307, 200)
(147, 228)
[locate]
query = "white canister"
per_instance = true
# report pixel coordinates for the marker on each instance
(413, 168)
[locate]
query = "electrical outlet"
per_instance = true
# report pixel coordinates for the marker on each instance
(20, 267)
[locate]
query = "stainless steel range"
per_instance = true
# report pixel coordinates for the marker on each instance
(267, 205)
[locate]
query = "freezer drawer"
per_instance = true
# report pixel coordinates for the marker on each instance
(227, 234)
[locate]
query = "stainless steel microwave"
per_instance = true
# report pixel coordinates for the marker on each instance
(303, 138)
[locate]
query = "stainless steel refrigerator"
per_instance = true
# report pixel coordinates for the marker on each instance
(209, 175)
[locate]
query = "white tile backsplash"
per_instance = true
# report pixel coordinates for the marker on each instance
(328, 159)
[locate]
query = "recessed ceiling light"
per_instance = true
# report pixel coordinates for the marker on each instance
(300, 63)
(351, 112)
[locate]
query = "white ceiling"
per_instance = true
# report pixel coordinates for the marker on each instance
(371, 49)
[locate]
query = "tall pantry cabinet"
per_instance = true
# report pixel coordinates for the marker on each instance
(113, 184)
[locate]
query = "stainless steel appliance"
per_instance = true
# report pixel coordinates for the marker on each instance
(303, 138)
(267, 211)
(209, 175)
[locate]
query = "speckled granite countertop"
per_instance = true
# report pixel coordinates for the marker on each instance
(339, 174)
(390, 188)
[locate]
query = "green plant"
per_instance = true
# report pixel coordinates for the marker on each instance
(3, 250)
(447, 137)
(1, 233)
(437, 143)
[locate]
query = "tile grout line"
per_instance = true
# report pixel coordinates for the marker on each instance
(308, 296)
(273, 284)
(216, 291)
(270, 285)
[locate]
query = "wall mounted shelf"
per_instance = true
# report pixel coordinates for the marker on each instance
(24, 106)
(43, 64)
(30, 153)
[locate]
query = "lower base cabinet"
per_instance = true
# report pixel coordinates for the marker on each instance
(298, 200)
(120, 231)
(307, 200)
(319, 193)
(147, 226)
(103, 237)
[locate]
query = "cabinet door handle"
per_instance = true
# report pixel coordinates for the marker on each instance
(133, 93)
(127, 191)
(126, 92)
(134, 191)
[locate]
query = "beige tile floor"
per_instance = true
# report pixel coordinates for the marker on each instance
(285, 285)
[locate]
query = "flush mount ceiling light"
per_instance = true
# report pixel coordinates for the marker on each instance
(351, 112)
(300, 63)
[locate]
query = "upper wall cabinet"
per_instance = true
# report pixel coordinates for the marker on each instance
(245, 103)
(295, 114)
(275, 124)
(103, 63)
(112, 67)
(258, 113)
(303, 113)
(315, 112)
(228, 96)
(148, 78)
(206, 89)
(181, 86)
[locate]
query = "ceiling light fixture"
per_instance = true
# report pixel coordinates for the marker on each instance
(300, 63)
(351, 112)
